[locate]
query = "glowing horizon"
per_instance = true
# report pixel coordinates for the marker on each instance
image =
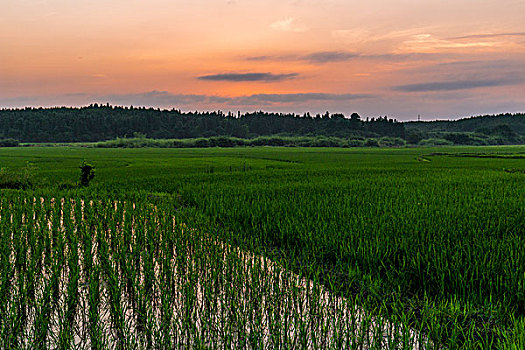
(436, 58)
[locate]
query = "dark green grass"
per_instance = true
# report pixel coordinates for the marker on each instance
(440, 241)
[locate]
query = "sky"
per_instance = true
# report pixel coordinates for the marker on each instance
(439, 59)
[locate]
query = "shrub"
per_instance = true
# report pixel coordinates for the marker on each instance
(435, 142)
(391, 141)
(355, 143)
(178, 144)
(9, 143)
(371, 143)
(465, 138)
(222, 141)
(202, 143)
(87, 173)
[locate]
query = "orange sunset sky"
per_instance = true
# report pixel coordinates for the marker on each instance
(437, 58)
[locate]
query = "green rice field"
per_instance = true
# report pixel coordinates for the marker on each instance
(263, 248)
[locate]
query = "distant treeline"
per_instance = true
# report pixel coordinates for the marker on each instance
(104, 122)
(99, 123)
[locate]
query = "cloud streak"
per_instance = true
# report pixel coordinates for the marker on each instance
(325, 57)
(318, 57)
(166, 98)
(453, 85)
(258, 58)
(487, 36)
(296, 97)
(330, 56)
(243, 77)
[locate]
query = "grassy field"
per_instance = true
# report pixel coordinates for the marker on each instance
(264, 248)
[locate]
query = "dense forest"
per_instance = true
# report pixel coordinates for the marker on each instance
(104, 122)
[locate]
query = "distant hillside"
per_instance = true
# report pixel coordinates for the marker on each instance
(505, 128)
(515, 122)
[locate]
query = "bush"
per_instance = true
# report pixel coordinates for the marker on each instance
(137, 142)
(326, 142)
(391, 141)
(355, 143)
(464, 138)
(87, 173)
(178, 144)
(275, 141)
(371, 143)
(9, 143)
(202, 143)
(435, 142)
(222, 141)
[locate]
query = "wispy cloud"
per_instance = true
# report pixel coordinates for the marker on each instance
(165, 98)
(296, 97)
(426, 42)
(453, 85)
(241, 77)
(424, 39)
(362, 36)
(501, 71)
(277, 58)
(288, 25)
(508, 67)
(325, 57)
(317, 57)
(487, 36)
(330, 56)
(411, 56)
(258, 58)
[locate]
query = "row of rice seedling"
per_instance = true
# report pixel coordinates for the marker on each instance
(119, 274)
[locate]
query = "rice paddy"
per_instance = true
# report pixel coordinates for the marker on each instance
(264, 248)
